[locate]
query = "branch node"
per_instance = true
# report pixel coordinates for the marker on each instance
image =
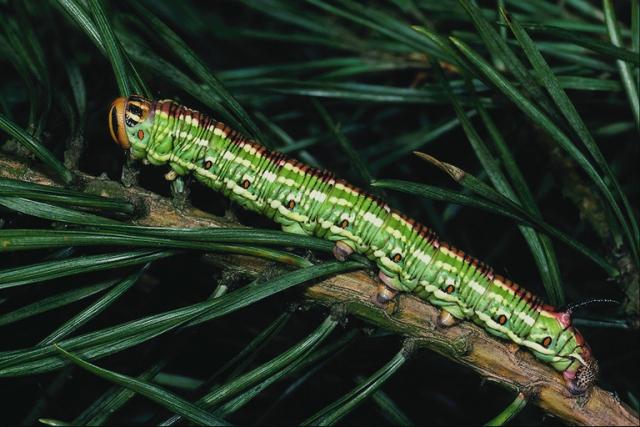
(339, 313)
(409, 347)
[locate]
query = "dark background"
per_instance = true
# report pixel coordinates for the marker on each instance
(234, 36)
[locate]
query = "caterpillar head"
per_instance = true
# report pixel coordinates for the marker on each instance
(580, 376)
(129, 121)
(553, 339)
(583, 370)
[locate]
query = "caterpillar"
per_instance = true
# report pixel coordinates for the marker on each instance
(304, 200)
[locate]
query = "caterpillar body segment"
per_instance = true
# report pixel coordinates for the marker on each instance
(309, 201)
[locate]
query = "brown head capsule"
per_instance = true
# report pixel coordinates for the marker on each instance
(126, 112)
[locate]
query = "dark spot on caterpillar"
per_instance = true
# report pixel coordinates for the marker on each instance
(344, 223)
(246, 183)
(502, 319)
(450, 289)
(208, 164)
(141, 134)
(130, 121)
(396, 258)
(291, 204)
(136, 98)
(133, 108)
(114, 123)
(546, 342)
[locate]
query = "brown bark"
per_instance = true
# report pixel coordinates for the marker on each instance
(466, 344)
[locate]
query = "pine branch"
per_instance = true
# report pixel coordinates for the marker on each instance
(466, 344)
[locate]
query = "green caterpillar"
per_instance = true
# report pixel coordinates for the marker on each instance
(313, 202)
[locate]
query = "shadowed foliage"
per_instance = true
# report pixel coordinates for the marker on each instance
(510, 127)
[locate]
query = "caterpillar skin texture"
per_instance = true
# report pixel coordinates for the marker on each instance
(313, 202)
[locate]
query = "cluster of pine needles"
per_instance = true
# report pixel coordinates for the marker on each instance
(524, 116)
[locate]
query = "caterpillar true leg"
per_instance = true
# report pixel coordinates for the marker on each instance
(171, 175)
